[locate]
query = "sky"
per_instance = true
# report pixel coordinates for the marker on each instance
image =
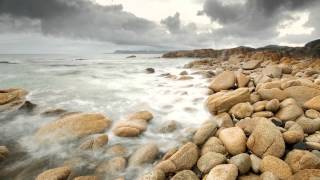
(99, 26)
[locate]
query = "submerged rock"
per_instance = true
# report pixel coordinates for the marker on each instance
(12, 99)
(145, 154)
(95, 143)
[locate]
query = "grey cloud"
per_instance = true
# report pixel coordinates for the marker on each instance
(173, 23)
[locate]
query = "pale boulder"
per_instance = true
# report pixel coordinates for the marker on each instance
(224, 81)
(234, 140)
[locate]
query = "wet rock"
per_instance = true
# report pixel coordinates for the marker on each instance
(86, 178)
(268, 176)
(185, 77)
(117, 150)
(309, 125)
(273, 93)
(224, 81)
(294, 133)
(242, 80)
(168, 127)
(183, 73)
(266, 139)
(4, 152)
(306, 174)
(300, 145)
(12, 99)
(299, 93)
(213, 144)
(300, 160)
(132, 56)
(54, 112)
(223, 120)
(255, 163)
(273, 105)
(234, 140)
(289, 112)
(223, 101)
(250, 65)
(185, 158)
(149, 70)
(206, 130)
(145, 154)
(313, 103)
(112, 166)
(185, 174)
(130, 128)
(72, 127)
(276, 166)
(223, 172)
(210, 160)
(56, 173)
(95, 143)
(242, 161)
(241, 110)
(155, 174)
(313, 114)
(142, 115)
(272, 71)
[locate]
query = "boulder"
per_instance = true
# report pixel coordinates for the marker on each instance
(224, 81)
(273, 105)
(294, 133)
(155, 174)
(313, 103)
(276, 166)
(86, 178)
(313, 114)
(185, 174)
(309, 125)
(289, 112)
(130, 128)
(259, 106)
(249, 124)
(314, 137)
(206, 130)
(299, 93)
(72, 127)
(223, 101)
(234, 140)
(272, 71)
(56, 173)
(300, 160)
(223, 172)
(112, 166)
(144, 115)
(213, 144)
(252, 64)
(241, 110)
(306, 174)
(95, 143)
(4, 152)
(185, 158)
(255, 163)
(223, 120)
(266, 139)
(12, 99)
(242, 161)
(117, 150)
(273, 93)
(242, 80)
(145, 154)
(209, 160)
(268, 176)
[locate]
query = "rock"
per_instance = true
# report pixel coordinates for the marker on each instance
(223, 120)
(268, 176)
(234, 140)
(54, 112)
(242, 161)
(206, 130)
(241, 110)
(289, 113)
(130, 128)
(309, 125)
(169, 153)
(313, 145)
(56, 173)
(294, 134)
(168, 127)
(12, 99)
(223, 172)
(132, 56)
(314, 137)
(213, 144)
(185, 174)
(313, 103)
(185, 158)
(210, 160)
(145, 154)
(222, 102)
(183, 73)
(86, 178)
(72, 127)
(4, 152)
(185, 77)
(272, 71)
(112, 166)
(249, 124)
(117, 150)
(313, 114)
(306, 174)
(250, 65)
(273, 105)
(255, 163)
(149, 70)
(95, 143)
(276, 166)
(300, 160)
(273, 93)
(144, 115)
(224, 81)
(266, 139)
(254, 97)
(259, 106)
(249, 177)
(155, 174)
(299, 93)
(265, 114)
(242, 80)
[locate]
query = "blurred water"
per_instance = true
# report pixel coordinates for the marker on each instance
(107, 83)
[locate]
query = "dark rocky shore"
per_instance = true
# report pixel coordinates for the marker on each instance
(265, 124)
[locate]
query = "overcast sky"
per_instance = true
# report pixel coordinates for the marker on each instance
(62, 26)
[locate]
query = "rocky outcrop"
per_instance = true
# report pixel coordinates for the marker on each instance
(12, 99)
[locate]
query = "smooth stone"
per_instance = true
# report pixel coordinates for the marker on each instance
(223, 172)
(273, 105)
(95, 143)
(255, 163)
(242, 161)
(294, 133)
(86, 178)
(144, 154)
(234, 140)
(249, 124)
(155, 174)
(252, 64)
(259, 106)
(130, 128)
(223, 120)
(223, 81)
(56, 173)
(272, 71)
(241, 110)
(313, 145)
(268, 176)
(213, 144)
(276, 166)
(144, 115)
(309, 125)
(242, 80)
(210, 160)
(273, 93)
(313, 114)
(265, 114)
(313, 103)
(206, 130)
(185, 174)
(112, 166)
(300, 160)
(306, 174)
(314, 137)
(289, 113)
(117, 150)
(299, 93)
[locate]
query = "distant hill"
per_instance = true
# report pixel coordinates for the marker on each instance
(138, 52)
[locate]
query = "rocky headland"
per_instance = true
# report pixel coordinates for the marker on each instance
(265, 123)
